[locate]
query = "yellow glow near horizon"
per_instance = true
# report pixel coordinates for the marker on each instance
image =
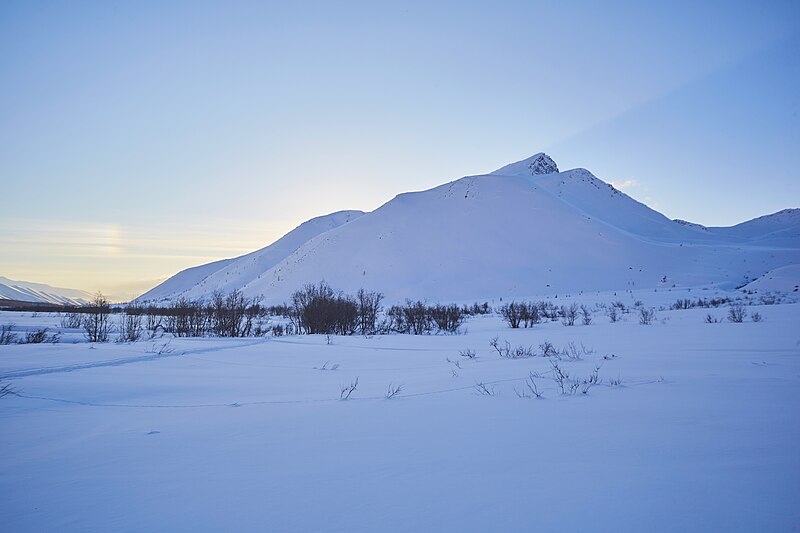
(119, 261)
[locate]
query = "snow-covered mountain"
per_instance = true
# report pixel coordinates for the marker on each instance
(25, 291)
(230, 274)
(523, 230)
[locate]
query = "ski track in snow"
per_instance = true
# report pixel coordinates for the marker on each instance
(117, 362)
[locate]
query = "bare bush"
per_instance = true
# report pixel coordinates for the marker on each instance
(7, 334)
(532, 388)
(232, 315)
(516, 314)
(130, 326)
(153, 322)
(477, 309)
(571, 352)
(39, 336)
(468, 354)
(506, 350)
(186, 318)
(417, 318)
(393, 391)
(548, 350)
(410, 318)
(160, 348)
(447, 318)
(686, 303)
(549, 310)
(318, 309)
(586, 315)
(646, 315)
(455, 363)
(591, 381)
(511, 314)
(71, 320)
(96, 322)
(560, 377)
(737, 313)
(485, 390)
(368, 306)
(569, 314)
(711, 319)
(347, 390)
(756, 317)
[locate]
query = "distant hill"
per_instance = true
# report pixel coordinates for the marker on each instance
(25, 291)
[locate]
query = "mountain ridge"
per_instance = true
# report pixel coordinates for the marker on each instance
(524, 229)
(26, 291)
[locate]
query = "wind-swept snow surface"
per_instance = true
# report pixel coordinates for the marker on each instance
(526, 229)
(691, 427)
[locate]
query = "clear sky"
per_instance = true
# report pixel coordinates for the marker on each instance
(140, 138)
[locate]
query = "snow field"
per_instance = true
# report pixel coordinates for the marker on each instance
(250, 434)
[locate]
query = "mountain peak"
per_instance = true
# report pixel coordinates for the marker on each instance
(535, 165)
(542, 163)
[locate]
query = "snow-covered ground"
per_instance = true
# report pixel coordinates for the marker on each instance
(700, 434)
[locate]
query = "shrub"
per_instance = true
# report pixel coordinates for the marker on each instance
(511, 314)
(317, 309)
(71, 320)
(509, 352)
(737, 313)
(586, 315)
(233, 315)
(569, 314)
(7, 334)
(96, 320)
(39, 336)
(646, 315)
(130, 326)
(447, 318)
(368, 306)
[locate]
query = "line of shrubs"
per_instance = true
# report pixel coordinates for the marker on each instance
(318, 309)
(314, 309)
(528, 314)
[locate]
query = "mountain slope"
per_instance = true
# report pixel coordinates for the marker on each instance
(523, 230)
(230, 274)
(778, 229)
(26, 291)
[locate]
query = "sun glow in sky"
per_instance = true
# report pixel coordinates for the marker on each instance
(141, 138)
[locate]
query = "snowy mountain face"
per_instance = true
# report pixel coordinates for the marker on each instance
(25, 291)
(230, 274)
(778, 229)
(523, 230)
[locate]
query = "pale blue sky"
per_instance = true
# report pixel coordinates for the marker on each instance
(140, 138)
